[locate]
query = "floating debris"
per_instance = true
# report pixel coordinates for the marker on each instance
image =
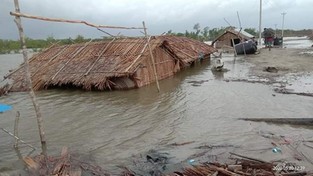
(271, 69)
(4, 107)
(292, 121)
(66, 164)
(197, 83)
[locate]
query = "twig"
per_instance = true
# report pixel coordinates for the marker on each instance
(308, 146)
(249, 158)
(106, 32)
(221, 170)
(6, 131)
(180, 144)
(294, 174)
(18, 14)
(17, 118)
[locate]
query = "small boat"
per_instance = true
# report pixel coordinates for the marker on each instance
(247, 47)
(218, 64)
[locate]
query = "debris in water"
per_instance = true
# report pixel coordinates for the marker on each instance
(4, 107)
(65, 164)
(276, 150)
(271, 69)
(198, 83)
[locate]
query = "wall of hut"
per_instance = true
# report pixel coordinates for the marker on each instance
(226, 40)
(165, 67)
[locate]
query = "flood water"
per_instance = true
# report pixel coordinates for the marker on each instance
(194, 105)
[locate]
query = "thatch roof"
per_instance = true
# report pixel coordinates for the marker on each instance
(241, 34)
(92, 64)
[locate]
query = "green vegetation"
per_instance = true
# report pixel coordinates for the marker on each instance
(296, 33)
(8, 46)
(204, 34)
(207, 34)
(252, 31)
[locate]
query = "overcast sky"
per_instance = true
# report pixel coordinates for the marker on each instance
(160, 15)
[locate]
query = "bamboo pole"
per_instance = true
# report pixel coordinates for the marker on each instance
(135, 60)
(232, 40)
(98, 58)
(179, 50)
(33, 58)
(17, 118)
(9, 133)
(70, 59)
(106, 32)
(18, 14)
(29, 81)
(51, 59)
(152, 58)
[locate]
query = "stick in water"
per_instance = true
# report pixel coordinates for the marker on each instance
(6, 131)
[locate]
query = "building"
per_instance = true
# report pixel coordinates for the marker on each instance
(231, 37)
(116, 64)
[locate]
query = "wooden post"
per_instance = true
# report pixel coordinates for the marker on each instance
(28, 80)
(152, 58)
(17, 118)
(232, 40)
(244, 49)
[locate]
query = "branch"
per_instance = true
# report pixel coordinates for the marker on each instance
(69, 21)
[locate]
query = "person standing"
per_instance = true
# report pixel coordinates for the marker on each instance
(268, 35)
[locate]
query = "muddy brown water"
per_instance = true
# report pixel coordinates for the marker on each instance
(194, 105)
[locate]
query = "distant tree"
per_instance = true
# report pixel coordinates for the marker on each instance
(67, 41)
(196, 27)
(79, 39)
(251, 31)
(50, 39)
(180, 34)
(187, 33)
(205, 33)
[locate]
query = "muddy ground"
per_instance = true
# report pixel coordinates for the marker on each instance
(289, 70)
(286, 60)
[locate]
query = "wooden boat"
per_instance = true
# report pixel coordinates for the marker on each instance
(247, 47)
(218, 64)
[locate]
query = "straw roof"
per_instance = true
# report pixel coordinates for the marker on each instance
(236, 32)
(92, 64)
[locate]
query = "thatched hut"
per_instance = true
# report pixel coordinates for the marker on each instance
(116, 64)
(231, 37)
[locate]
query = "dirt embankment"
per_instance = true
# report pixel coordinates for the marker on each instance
(286, 60)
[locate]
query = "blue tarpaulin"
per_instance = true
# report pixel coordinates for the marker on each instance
(4, 108)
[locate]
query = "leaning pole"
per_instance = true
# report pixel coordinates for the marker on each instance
(29, 81)
(260, 25)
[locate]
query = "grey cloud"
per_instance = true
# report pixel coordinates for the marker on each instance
(159, 15)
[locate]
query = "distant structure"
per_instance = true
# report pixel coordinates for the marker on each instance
(231, 37)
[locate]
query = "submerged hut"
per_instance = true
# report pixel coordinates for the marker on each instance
(106, 65)
(231, 37)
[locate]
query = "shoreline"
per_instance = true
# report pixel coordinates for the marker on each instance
(282, 68)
